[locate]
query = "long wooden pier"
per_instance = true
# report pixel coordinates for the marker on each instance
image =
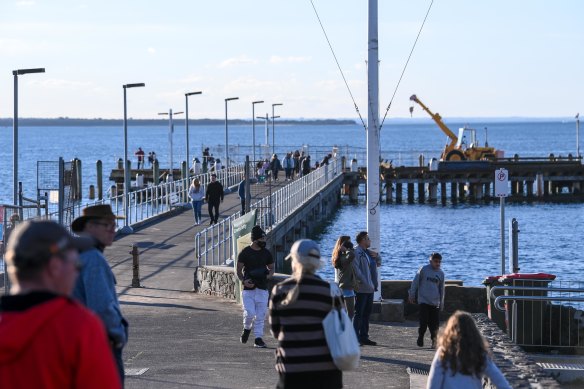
(473, 181)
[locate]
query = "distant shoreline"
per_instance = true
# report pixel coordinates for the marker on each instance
(76, 122)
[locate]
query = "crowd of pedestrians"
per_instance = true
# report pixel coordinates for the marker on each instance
(63, 315)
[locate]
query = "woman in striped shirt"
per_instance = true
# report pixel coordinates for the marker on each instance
(297, 308)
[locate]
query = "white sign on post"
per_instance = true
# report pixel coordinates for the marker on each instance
(501, 183)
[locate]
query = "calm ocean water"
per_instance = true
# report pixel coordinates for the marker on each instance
(467, 235)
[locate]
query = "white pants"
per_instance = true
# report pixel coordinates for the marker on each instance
(255, 305)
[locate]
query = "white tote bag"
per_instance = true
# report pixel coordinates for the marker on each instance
(340, 335)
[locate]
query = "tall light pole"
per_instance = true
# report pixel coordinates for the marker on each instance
(227, 133)
(17, 73)
(170, 136)
(578, 135)
(266, 132)
(273, 125)
(187, 122)
(253, 125)
(127, 229)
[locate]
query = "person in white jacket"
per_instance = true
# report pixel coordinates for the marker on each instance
(462, 359)
(197, 194)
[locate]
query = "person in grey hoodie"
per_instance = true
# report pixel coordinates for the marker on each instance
(427, 290)
(364, 266)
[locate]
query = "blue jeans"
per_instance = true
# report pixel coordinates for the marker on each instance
(363, 308)
(197, 205)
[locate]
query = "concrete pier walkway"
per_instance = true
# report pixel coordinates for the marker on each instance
(191, 340)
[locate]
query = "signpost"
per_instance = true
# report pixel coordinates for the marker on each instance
(502, 191)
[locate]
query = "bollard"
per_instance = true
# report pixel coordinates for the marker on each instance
(135, 267)
(91, 192)
(120, 164)
(155, 173)
(99, 167)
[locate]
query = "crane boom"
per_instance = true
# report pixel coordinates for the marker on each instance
(438, 119)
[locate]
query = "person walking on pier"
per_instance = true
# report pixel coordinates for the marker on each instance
(305, 168)
(342, 260)
(462, 358)
(241, 194)
(48, 340)
(427, 291)
(365, 267)
(213, 197)
(96, 285)
(275, 167)
(254, 266)
(197, 194)
(297, 308)
(288, 166)
(140, 156)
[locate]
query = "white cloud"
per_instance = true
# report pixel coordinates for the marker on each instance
(278, 59)
(151, 50)
(241, 60)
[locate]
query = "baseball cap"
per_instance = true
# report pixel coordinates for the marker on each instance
(32, 243)
(257, 233)
(305, 251)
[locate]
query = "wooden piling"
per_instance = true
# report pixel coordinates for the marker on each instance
(398, 192)
(388, 192)
(443, 192)
(421, 191)
(453, 192)
(99, 168)
(433, 192)
(410, 193)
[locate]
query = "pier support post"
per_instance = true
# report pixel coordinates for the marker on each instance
(410, 193)
(421, 191)
(488, 193)
(79, 172)
(91, 192)
(453, 192)
(479, 192)
(155, 173)
(398, 192)
(520, 186)
(388, 191)
(529, 187)
(443, 192)
(354, 193)
(99, 167)
(472, 195)
(433, 192)
(461, 193)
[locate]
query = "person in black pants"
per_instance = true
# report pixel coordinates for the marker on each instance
(214, 196)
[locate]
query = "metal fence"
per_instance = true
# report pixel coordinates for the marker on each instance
(156, 200)
(543, 314)
(214, 245)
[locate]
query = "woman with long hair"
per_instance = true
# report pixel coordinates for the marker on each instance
(197, 194)
(297, 308)
(462, 358)
(342, 260)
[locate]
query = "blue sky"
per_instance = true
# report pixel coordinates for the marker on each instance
(474, 58)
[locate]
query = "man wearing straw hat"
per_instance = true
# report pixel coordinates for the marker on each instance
(95, 286)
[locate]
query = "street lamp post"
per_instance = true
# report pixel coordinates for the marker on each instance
(227, 133)
(253, 126)
(578, 135)
(17, 73)
(187, 121)
(170, 138)
(266, 131)
(127, 229)
(273, 125)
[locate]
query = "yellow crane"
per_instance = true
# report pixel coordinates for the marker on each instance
(460, 147)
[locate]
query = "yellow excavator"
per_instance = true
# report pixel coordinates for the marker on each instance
(461, 147)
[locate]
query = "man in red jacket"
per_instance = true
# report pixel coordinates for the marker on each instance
(48, 340)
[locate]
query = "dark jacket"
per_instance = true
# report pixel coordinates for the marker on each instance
(345, 272)
(214, 192)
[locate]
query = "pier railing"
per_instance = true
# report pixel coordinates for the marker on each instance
(154, 200)
(214, 245)
(543, 316)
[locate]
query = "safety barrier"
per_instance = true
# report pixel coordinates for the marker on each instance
(214, 245)
(534, 319)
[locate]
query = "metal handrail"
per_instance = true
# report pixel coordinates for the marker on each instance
(273, 209)
(499, 299)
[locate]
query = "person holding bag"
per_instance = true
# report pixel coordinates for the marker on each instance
(342, 260)
(297, 309)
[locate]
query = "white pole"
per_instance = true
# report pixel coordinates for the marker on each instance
(170, 135)
(373, 194)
